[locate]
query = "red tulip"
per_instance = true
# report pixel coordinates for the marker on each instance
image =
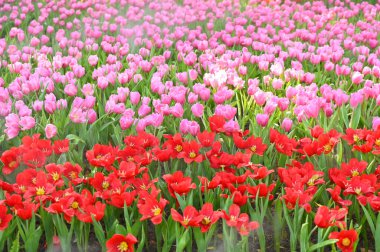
(121, 243)
(4, 217)
(346, 239)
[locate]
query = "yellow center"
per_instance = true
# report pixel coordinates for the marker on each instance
(355, 173)
(75, 205)
(55, 176)
(346, 242)
(73, 175)
(178, 148)
(192, 154)
(99, 156)
(206, 221)
(186, 221)
(311, 182)
(22, 188)
(358, 190)
(40, 191)
(253, 148)
(377, 142)
(156, 211)
(130, 159)
(243, 229)
(327, 147)
(12, 164)
(356, 138)
(123, 246)
(105, 185)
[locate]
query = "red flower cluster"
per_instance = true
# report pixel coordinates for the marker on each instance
(301, 183)
(32, 153)
(363, 140)
(207, 217)
(120, 177)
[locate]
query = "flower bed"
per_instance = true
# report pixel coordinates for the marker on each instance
(192, 125)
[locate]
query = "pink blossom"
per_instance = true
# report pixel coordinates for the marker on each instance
(77, 115)
(93, 60)
(126, 122)
(37, 105)
(197, 109)
(50, 131)
(357, 78)
(177, 110)
(27, 122)
(375, 123)
(71, 90)
(287, 124)
(227, 111)
(144, 110)
(262, 119)
(135, 97)
(102, 82)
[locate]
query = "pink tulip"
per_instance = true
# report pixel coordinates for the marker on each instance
(277, 83)
(102, 82)
(71, 90)
(50, 131)
(144, 110)
(287, 124)
(262, 119)
(357, 78)
(375, 123)
(27, 122)
(126, 122)
(93, 60)
(135, 97)
(197, 109)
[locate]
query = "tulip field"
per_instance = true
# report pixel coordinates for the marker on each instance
(189, 125)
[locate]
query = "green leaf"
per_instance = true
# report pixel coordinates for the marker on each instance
(322, 244)
(183, 241)
(33, 240)
(99, 233)
(60, 226)
(62, 159)
(181, 201)
(6, 233)
(370, 220)
(199, 239)
(355, 117)
(48, 226)
(15, 244)
(304, 238)
(111, 229)
(377, 233)
(76, 139)
(121, 229)
(142, 241)
(344, 116)
(136, 228)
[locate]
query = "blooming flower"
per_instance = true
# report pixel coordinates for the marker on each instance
(346, 239)
(121, 243)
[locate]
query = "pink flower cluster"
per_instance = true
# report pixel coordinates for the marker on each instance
(148, 63)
